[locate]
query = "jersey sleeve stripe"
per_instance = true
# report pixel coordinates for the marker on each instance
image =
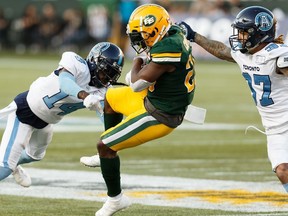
(166, 59)
(159, 55)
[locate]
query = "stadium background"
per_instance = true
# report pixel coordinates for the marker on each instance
(78, 24)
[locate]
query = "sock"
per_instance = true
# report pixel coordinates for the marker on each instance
(4, 172)
(286, 187)
(25, 158)
(111, 173)
(112, 119)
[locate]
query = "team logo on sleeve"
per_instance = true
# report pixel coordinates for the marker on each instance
(149, 20)
(80, 59)
(264, 21)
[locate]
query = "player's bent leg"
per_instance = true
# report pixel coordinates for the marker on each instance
(110, 167)
(4, 172)
(34, 151)
(22, 177)
(277, 149)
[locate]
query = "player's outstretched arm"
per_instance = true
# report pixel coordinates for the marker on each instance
(216, 48)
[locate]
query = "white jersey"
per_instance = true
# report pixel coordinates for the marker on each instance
(48, 102)
(269, 89)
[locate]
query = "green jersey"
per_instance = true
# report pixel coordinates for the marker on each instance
(173, 91)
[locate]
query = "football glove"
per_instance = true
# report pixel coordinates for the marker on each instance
(93, 102)
(187, 30)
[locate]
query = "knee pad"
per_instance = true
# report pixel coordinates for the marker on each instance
(4, 172)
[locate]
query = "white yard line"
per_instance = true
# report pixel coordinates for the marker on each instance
(155, 190)
(85, 124)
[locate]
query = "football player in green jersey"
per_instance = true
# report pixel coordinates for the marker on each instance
(161, 88)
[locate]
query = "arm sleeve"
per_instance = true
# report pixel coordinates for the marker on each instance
(68, 84)
(140, 85)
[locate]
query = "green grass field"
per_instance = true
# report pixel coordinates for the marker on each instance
(211, 154)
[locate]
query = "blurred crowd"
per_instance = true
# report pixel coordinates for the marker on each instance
(46, 29)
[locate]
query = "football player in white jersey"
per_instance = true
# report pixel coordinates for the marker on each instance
(263, 61)
(76, 83)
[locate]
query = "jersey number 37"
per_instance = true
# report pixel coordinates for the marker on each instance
(265, 82)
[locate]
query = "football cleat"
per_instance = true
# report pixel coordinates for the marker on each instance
(93, 161)
(113, 205)
(21, 177)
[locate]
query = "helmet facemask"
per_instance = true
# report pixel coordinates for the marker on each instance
(253, 39)
(104, 73)
(244, 42)
(112, 72)
(105, 62)
(137, 42)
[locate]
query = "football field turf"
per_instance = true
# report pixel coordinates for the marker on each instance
(218, 151)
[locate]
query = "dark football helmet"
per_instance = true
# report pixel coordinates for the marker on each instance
(258, 22)
(105, 61)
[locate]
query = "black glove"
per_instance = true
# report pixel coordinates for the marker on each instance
(187, 30)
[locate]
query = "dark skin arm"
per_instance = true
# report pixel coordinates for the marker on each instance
(216, 48)
(150, 72)
(82, 94)
(283, 71)
(221, 51)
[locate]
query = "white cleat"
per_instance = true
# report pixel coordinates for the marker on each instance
(113, 205)
(22, 177)
(93, 161)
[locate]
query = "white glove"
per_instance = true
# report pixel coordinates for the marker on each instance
(128, 78)
(93, 102)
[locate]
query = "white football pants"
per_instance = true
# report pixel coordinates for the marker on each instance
(18, 136)
(277, 147)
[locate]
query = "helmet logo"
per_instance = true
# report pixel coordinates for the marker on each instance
(264, 21)
(149, 20)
